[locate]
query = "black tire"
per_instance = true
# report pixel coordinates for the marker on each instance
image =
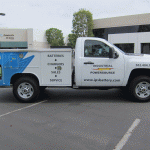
(139, 89)
(26, 89)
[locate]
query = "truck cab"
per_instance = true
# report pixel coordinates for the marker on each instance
(98, 63)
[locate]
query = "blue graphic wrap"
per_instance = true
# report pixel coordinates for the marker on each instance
(11, 64)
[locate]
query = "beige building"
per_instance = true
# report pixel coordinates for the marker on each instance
(22, 38)
(16, 38)
(129, 33)
(131, 20)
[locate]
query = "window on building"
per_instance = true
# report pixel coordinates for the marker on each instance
(104, 32)
(144, 28)
(93, 48)
(145, 48)
(126, 47)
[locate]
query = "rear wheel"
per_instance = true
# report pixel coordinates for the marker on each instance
(140, 88)
(26, 89)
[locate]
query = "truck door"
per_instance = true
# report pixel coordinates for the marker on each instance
(97, 68)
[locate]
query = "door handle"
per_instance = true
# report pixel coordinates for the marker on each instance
(89, 62)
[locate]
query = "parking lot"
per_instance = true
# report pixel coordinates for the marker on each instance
(67, 119)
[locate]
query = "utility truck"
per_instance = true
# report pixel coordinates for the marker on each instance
(97, 65)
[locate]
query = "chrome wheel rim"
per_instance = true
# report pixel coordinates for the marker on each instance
(142, 90)
(25, 90)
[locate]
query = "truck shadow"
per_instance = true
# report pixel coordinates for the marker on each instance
(87, 96)
(6, 96)
(72, 96)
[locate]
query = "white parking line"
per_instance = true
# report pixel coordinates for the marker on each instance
(21, 108)
(125, 138)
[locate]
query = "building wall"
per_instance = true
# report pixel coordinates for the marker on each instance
(39, 39)
(30, 38)
(13, 35)
(16, 38)
(41, 44)
(23, 38)
(136, 38)
(127, 32)
(130, 20)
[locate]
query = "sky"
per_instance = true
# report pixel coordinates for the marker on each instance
(44, 14)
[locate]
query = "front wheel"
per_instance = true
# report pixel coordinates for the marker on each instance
(140, 88)
(26, 89)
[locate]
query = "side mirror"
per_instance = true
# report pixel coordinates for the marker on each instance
(116, 55)
(113, 53)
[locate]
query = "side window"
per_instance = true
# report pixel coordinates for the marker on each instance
(94, 48)
(145, 48)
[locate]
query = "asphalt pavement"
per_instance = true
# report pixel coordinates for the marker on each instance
(67, 119)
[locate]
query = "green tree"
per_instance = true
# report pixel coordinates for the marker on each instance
(83, 23)
(55, 37)
(82, 26)
(72, 40)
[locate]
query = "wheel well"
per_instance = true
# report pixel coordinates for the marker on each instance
(138, 72)
(19, 75)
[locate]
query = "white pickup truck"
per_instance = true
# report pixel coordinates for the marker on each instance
(98, 64)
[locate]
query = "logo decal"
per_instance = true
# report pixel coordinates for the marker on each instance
(101, 69)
